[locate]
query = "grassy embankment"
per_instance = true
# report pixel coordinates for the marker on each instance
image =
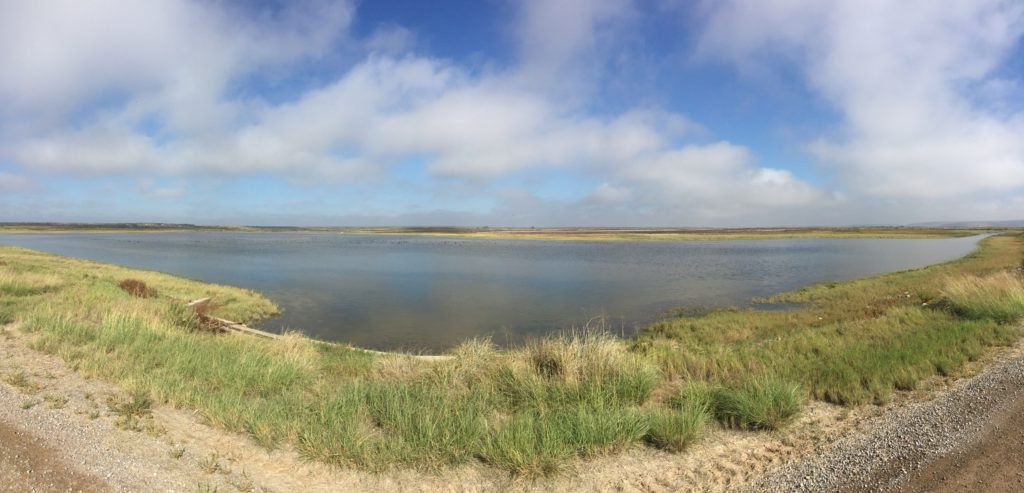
(530, 410)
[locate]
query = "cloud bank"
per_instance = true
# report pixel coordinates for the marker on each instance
(174, 92)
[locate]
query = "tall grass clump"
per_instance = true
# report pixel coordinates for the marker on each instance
(684, 420)
(588, 367)
(758, 404)
(540, 442)
(998, 297)
(422, 424)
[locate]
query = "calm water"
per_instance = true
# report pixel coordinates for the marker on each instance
(429, 293)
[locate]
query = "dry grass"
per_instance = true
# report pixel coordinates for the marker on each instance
(997, 296)
(22, 381)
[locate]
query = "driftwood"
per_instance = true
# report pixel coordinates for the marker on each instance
(224, 325)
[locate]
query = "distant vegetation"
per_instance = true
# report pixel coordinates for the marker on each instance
(531, 410)
(595, 234)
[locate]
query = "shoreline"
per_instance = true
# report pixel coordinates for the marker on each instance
(726, 450)
(546, 234)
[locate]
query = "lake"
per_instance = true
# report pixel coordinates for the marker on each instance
(429, 292)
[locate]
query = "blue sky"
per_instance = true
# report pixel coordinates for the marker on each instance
(493, 112)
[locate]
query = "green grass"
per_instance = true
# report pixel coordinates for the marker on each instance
(853, 342)
(532, 410)
(674, 429)
(757, 404)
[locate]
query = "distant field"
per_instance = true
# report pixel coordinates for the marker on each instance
(591, 234)
(531, 410)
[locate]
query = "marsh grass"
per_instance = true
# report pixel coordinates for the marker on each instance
(998, 297)
(688, 414)
(758, 404)
(854, 342)
(531, 410)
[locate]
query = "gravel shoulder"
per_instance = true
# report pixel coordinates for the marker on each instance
(28, 464)
(965, 438)
(994, 464)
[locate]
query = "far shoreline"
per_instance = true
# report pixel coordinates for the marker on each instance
(502, 233)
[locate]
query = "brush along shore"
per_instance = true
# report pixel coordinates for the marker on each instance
(532, 410)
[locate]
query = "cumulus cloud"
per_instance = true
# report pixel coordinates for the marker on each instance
(124, 88)
(560, 42)
(905, 76)
(173, 56)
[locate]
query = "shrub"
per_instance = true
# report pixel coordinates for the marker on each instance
(137, 288)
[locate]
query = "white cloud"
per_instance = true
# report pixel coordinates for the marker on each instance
(719, 181)
(165, 76)
(10, 182)
(559, 40)
(904, 75)
(611, 194)
(150, 188)
(174, 56)
(391, 39)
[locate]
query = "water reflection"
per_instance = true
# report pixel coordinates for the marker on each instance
(430, 293)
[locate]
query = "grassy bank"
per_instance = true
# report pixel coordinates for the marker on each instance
(530, 410)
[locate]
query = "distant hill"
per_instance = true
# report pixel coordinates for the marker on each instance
(1019, 223)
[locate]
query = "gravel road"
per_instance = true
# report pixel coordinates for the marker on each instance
(967, 438)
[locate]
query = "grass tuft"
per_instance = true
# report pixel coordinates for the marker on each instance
(210, 464)
(21, 380)
(759, 404)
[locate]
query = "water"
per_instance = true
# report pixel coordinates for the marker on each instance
(429, 293)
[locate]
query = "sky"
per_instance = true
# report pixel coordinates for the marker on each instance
(512, 113)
